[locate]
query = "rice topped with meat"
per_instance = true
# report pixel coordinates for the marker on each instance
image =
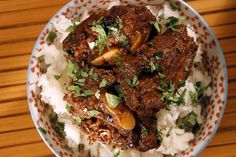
(125, 82)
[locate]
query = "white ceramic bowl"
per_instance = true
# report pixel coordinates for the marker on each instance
(215, 65)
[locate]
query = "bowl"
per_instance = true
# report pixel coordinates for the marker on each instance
(215, 64)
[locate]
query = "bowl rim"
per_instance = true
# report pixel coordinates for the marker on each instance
(204, 142)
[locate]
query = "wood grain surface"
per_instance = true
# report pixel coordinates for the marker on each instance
(20, 24)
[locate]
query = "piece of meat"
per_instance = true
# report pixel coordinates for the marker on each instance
(135, 28)
(178, 53)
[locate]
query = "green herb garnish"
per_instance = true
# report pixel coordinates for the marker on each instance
(84, 74)
(68, 107)
(158, 54)
(181, 97)
(172, 21)
(153, 66)
(42, 130)
(156, 26)
(71, 69)
(159, 135)
(103, 83)
(97, 94)
(51, 37)
(57, 77)
(59, 128)
(169, 131)
(182, 83)
(78, 120)
(95, 76)
(117, 154)
(102, 36)
(81, 147)
(188, 122)
(69, 149)
(87, 92)
(145, 131)
(161, 75)
(194, 97)
(92, 113)
(186, 69)
(113, 100)
(161, 17)
(118, 91)
(134, 82)
(174, 5)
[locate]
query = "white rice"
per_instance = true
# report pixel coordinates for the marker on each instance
(53, 91)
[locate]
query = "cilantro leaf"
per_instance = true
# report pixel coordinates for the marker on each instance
(188, 122)
(103, 83)
(113, 100)
(51, 37)
(102, 36)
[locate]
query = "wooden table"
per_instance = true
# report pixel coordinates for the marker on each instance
(21, 22)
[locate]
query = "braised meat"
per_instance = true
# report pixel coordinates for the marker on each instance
(125, 27)
(121, 66)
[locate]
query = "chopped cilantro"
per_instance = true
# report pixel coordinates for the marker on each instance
(57, 77)
(42, 130)
(75, 89)
(71, 28)
(81, 147)
(41, 59)
(69, 149)
(81, 80)
(158, 54)
(161, 17)
(113, 100)
(194, 97)
(159, 135)
(169, 131)
(102, 36)
(117, 154)
(84, 74)
(134, 82)
(174, 5)
(95, 76)
(172, 21)
(88, 92)
(97, 94)
(153, 66)
(145, 131)
(68, 107)
(51, 37)
(182, 83)
(200, 91)
(161, 75)
(188, 122)
(103, 83)
(118, 91)
(91, 72)
(71, 68)
(181, 97)
(124, 41)
(92, 113)
(186, 69)
(78, 120)
(59, 128)
(174, 29)
(156, 26)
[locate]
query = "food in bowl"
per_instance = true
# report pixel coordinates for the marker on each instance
(125, 81)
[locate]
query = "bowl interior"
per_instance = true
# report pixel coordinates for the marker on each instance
(214, 62)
